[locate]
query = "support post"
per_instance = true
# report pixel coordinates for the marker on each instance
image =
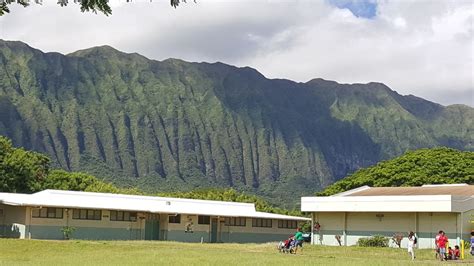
(416, 228)
(312, 228)
(344, 231)
(461, 228)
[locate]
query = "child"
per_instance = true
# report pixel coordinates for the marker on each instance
(442, 241)
(450, 254)
(436, 244)
(456, 253)
(411, 244)
(288, 242)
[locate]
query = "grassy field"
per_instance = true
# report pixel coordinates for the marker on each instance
(37, 252)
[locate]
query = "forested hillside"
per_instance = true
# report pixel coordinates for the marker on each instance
(415, 168)
(174, 125)
(23, 171)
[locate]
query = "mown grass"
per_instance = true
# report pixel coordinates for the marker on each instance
(37, 252)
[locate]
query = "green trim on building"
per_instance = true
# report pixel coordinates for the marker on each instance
(391, 233)
(254, 237)
(226, 237)
(89, 233)
(182, 236)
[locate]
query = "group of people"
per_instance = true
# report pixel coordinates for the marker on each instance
(443, 251)
(292, 243)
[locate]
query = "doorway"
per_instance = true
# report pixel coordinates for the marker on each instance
(152, 227)
(214, 230)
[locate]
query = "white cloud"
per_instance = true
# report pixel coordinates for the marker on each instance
(415, 47)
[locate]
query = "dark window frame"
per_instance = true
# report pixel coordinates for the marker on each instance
(87, 214)
(120, 216)
(204, 219)
(235, 221)
(174, 219)
(262, 222)
(46, 213)
(289, 224)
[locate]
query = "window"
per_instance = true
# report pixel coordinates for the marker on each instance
(287, 224)
(174, 219)
(85, 214)
(53, 213)
(123, 216)
(235, 221)
(261, 222)
(204, 219)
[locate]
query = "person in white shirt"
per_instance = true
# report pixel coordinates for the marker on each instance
(411, 244)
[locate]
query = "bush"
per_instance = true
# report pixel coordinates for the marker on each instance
(67, 231)
(374, 241)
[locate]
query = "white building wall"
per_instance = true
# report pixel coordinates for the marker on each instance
(380, 223)
(50, 228)
(366, 224)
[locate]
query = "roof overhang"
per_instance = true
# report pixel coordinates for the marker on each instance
(419, 203)
(108, 201)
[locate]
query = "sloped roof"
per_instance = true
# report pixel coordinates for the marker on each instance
(92, 200)
(454, 190)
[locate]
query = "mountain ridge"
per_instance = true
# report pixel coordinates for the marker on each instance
(110, 48)
(171, 124)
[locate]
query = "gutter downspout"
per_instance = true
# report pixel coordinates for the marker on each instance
(312, 228)
(416, 228)
(29, 222)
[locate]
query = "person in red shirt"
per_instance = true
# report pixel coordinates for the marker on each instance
(436, 244)
(443, 239)
(456, 253)
(450, 253)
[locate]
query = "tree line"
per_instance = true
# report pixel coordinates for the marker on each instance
(23, 171)
(415, 168)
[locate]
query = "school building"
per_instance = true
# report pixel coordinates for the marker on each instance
(104, 216)
(369, 211)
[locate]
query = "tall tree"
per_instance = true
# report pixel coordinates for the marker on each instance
(20, 170)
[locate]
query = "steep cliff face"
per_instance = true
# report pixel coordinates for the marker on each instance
(177, 125)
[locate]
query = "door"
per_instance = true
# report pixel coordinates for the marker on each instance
(152, 229)
(213, 230)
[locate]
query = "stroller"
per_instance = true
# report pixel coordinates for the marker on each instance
(287, 246)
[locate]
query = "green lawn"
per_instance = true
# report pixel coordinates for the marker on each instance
(38, 252)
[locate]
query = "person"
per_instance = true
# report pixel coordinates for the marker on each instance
(411, 244)
(472, 243)
(456, 253)
(299, 238)
(436, 244)
(442, 241)
(450, 254)
(288, 242)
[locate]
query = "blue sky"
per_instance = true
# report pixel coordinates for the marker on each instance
(360, 8)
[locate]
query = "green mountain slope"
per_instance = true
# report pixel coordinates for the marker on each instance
(23, 171)
(174, 125)
(415, 168)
